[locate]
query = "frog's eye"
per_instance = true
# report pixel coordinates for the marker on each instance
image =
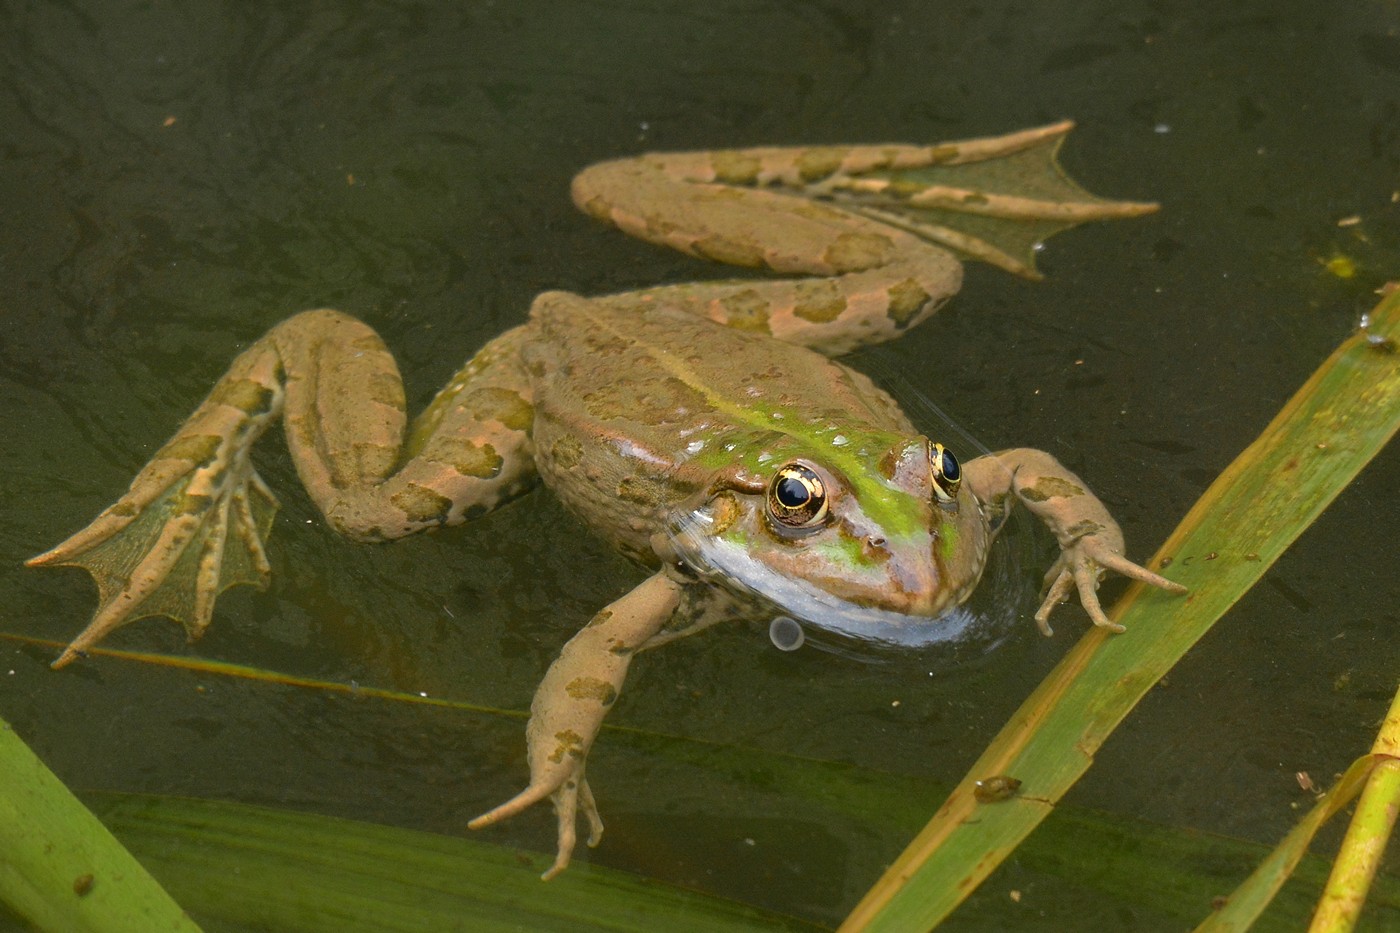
(797, 497)
(945, 472)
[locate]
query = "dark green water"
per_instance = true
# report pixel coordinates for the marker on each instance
(175, 178)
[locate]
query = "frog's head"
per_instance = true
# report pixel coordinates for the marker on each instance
(874, 539)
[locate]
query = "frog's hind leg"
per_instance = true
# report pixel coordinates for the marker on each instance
(194, 520)
(879, 227)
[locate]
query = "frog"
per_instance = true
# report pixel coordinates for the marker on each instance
(707, 430)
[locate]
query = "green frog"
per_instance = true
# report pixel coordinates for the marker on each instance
(701, 428)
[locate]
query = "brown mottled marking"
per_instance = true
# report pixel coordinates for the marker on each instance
(659, 228)
(598, 208)
(1050, 487)
(602, 343)
(907, 299)
(301, 430)
(591, 688)
(637, 490)
(646, 401)
(196, 448)
(730, 251)
(369, 342)
(853, 252)
(746, 310)
(503, 405)
(819, 162)
(726, 512)
(600, 618)
(889, 462)
(567, 452)
(1083, 528)
(421, 504)
(736, 168)
(570, 743)
(944, 152)
(192, 503)
(816, 211)
(819, 301)
(386, 389)
(466, 457)
(245, 394)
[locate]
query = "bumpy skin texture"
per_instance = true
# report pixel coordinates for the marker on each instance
(663, 417)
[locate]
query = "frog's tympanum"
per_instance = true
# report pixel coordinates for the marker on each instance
(701, 428)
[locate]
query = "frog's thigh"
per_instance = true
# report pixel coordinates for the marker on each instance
(345, 422)
(870, 281)
(831, 315)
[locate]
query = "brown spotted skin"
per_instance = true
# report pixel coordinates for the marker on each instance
(617, 452)
(869, 282)
(629, 405)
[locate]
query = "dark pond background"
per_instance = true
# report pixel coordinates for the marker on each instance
(175, 178)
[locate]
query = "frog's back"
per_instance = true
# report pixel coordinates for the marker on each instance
(638, 406)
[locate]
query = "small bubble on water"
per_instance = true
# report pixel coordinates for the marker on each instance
(786, 633)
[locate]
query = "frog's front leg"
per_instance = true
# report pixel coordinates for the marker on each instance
(576, 693)
(192, 523)
(1090, 540)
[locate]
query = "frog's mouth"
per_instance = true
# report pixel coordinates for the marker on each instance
(725, 562)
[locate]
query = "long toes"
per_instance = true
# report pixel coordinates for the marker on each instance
(589, 807)
(1058, 592)
(1120, 564)
(1087, 581)
(526, 798)
(566, 808)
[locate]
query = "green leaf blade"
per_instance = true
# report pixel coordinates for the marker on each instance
(245, 866)
(60, 868)
(1346, 412)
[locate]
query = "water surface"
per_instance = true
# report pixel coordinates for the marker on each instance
(174, 179)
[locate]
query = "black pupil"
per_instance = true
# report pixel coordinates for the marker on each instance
(951, 470)
(792, 493)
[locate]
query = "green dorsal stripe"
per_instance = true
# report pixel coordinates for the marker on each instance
(892, 509)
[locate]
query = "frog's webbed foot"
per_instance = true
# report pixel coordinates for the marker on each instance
(993, 199)
(191, 525)
(1080, 566)
(576, 693)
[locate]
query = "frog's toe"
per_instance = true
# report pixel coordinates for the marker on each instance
(526, 798)
(1059, 582)
(590, 813)
(1086, 580)
(170, 547)
(1117, 562)
(571, 798)
(1080, 567)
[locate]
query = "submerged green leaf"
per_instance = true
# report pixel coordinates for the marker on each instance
(1258, 506)
(254, 867)
(60, 869)
(1144, 867)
